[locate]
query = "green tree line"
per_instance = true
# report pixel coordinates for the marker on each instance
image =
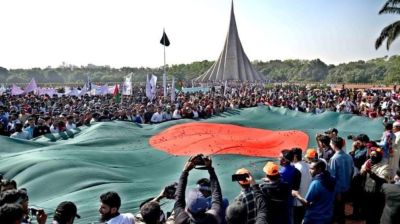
(384, 70)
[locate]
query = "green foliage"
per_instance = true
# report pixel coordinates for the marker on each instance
(392, 31)
(384, 70)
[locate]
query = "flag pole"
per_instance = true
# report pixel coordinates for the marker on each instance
(165, 70)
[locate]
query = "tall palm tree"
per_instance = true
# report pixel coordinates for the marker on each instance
(390, 32)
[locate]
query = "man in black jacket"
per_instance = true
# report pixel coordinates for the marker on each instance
(277, 193)
(195, 211)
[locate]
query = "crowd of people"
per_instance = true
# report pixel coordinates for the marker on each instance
(310, 186)
(28, 116)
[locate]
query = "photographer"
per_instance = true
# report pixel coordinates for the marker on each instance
(196, 208)
(236, 213)
(20, 197)
(247, 196)
(204, 187)
(150, 210)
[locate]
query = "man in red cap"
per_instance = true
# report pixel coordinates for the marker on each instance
(277, 193)
(238, 211)
(247, 197)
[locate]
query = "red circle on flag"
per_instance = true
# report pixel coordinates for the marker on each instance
(210, 138)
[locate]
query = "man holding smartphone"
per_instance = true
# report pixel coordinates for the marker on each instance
(246, 195)
(196, 209)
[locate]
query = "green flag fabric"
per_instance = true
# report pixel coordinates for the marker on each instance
(116, 156)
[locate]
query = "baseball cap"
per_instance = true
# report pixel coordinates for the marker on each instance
(271, 169)
(196, 202)
(331, 130)
(311, 153)
(396, 124)
(67, 208)
(243, 171)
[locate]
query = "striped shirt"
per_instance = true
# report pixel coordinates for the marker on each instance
(246, 196)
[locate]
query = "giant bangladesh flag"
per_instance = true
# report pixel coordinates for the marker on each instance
(137, 161)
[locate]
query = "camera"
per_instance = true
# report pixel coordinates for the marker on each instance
(350, 137)
(170, 190)
(198, 160)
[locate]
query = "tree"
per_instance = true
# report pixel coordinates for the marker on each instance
(389, 33)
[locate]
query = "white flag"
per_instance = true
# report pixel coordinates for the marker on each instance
(83, 90)
(74, 92)
(31, 87)
(101, 90)
(127, 87)
(173, 90)
(153, 85)
(148, 88)
(16, 90)
(92, 91)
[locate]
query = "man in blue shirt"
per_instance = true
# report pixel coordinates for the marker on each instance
(341, 168)
(290, 175)
(320, 195)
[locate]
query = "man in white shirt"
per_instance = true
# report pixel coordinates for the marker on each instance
(109, 214)
(303, 167)
(70, 123)
(177, 114)
(157, 116)
(394, 161)
(19, 133)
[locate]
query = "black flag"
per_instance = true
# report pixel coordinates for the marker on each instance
(164, 40)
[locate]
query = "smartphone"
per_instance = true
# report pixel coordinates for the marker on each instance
(239, 177)
(33, 211)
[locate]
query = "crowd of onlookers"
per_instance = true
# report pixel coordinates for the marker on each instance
(29, 116)
(310, 186)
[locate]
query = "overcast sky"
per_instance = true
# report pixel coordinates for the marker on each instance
(120, 33)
